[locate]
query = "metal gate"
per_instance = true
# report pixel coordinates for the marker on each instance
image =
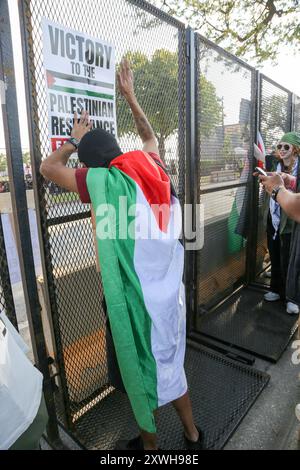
(243, 321)
(225, 124)
(71, 289)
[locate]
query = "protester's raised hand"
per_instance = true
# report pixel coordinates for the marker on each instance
(81, 125)
(125, 79)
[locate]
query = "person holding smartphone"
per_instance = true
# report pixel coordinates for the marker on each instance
(278, 225)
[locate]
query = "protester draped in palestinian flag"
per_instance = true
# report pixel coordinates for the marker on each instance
(137, 221)
(141, 260)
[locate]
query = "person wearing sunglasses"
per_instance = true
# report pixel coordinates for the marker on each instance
(279, 225)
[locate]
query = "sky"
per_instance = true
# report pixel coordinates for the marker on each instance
(284, 73)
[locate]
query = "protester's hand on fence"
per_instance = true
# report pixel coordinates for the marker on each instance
(125, 79)
(271, 182)
(81, 125)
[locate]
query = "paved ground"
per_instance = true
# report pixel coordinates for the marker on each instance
(271, 423)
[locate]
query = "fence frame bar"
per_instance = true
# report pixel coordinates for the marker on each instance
(252, 238)
(191, 169)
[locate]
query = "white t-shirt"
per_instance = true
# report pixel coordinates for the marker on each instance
(20, 385)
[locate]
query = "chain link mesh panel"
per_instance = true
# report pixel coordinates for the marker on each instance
(155, 45)
(225, 133)
(275, 120)
(296, 114)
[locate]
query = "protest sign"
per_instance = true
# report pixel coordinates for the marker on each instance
(80, 74)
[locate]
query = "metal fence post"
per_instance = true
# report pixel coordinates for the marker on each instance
(181, 115)
(20, 211)
(293, 111)
(191, 173)
(253, 222)
(290, 112)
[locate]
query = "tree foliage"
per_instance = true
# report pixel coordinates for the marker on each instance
(26, 158)
(228, 150)
(210, 107)
(253, 29)
(156, 88)
(3, 162)
(274, 120)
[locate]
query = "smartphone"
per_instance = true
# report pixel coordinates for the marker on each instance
(261, 171)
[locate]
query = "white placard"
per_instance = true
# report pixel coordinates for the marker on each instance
(80, 73)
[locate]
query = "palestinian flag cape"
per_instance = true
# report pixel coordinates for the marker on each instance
(238, 219)
(142, 269)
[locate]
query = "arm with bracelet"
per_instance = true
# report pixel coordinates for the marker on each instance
(54, 167)
(290, 203)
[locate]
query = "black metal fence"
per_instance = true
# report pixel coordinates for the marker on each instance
(71, 289)
(208, 146)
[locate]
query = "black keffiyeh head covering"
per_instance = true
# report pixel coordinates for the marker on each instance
(98, 148)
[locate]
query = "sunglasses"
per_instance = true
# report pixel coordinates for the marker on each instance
(284, 147)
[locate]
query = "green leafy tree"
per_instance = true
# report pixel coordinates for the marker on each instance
(3, 163)
(156, 88)
(26, 158)
(255, 29)
(274, 119)
(210, 107)
(228, 151)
